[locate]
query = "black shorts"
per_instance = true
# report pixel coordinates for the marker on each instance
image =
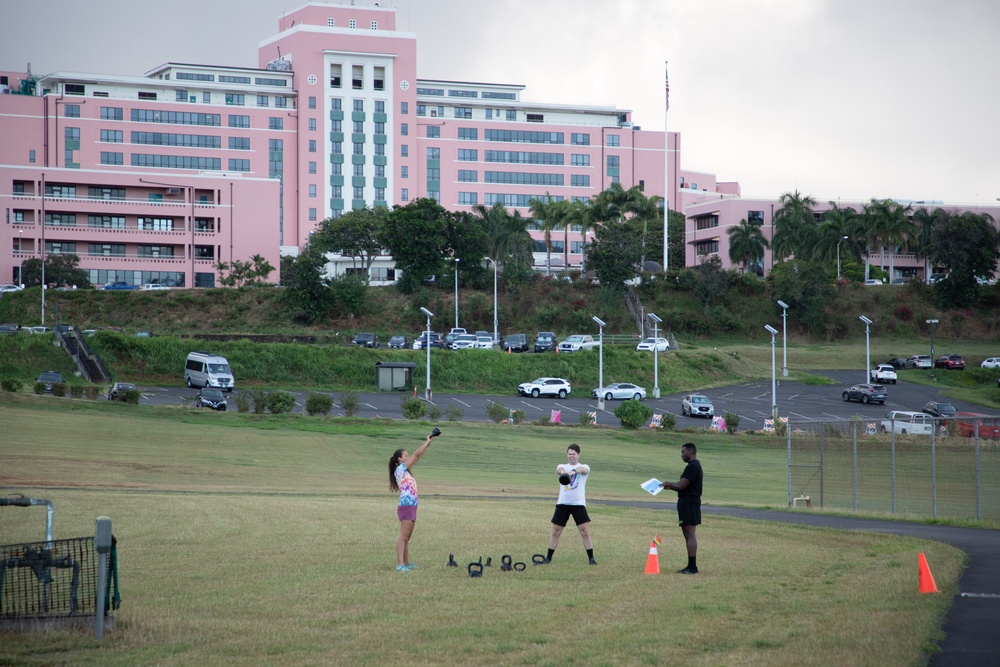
(689, 510)
(564, 512)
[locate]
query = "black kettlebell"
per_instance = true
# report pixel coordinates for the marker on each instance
(538, 559)
(519, 566)
(489, 561)
(451, 561)
(505, 561)
(564, 480)
(475, 569)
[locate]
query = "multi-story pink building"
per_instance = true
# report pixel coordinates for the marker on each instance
(157, 178)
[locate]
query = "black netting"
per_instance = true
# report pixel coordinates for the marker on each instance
(57, 578)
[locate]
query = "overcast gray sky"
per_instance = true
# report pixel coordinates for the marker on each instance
(843, 99)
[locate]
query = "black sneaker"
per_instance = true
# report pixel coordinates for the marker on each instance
(688, 570)
(544, 561)
(593, 562)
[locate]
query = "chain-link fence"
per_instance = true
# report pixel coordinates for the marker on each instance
(911, 465)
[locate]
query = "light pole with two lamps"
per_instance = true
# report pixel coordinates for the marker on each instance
(20, 252)
(838, 255)
(600, 362)
(427, 344)
(784, 338)
(496, 336)
(774, 382)
(868, 357)
(656, 347)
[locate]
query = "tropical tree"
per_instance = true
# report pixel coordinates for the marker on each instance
(60, 269)
(615, 252)
(416, 237)
(578, 214)
(548, 214)
(355, 234)
(890, 225)
(794, 224)
(747, 243)
(968, 247)
(245, 273)
(924, 222)
(834, 235)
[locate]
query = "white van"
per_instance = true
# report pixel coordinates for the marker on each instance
(905, 422)
(204, 369)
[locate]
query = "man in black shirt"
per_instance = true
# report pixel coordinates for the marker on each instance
(689, 503)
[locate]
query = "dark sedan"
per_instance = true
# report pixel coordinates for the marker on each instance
(866, 393)
(210, 397)
(899, 363)
(938, 409)
(951, 362)
(49, 378)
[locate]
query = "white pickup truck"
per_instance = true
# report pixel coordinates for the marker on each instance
(883, 373)
(577, 343)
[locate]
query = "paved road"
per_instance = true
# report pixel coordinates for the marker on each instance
(972, 626)
(752, 401)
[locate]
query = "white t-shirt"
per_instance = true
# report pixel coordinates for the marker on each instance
(573, 493)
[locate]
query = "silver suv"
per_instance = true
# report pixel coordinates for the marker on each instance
(697, 405)
(919, 361)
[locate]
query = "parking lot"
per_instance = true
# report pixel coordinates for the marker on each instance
(751, 401)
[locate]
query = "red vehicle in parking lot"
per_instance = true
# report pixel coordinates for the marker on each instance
(951, 362)
(989, 427)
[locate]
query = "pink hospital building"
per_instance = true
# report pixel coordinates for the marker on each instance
(156, 178)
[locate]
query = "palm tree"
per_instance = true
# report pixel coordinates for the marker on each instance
(888, 225)
(747, 243)
(548, 215)
(925, 221)
(794, 223)
(502, 229)
(834, 226)
(578, 213)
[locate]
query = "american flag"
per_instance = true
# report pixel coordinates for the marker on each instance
(666, 79)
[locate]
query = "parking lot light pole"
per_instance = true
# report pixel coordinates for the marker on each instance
(932, 323)
(784, 338)
(496, 336)
(456, 292)
(774, 381)
(427, 344)
(868, 356)
(656, 348)
(838, 255)
(600, 363)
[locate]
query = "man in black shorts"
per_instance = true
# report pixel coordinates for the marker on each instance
(572, 502)
(689, 503)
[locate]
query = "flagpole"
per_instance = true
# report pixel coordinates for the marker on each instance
(666, 172)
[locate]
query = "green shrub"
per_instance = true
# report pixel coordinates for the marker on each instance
(496, 411)
(280, 401)
(518, 416)
(732, 421)
(413, 408)
(91, 391)
(131, 396)
(454, 413)
(668, 421)
(11, 385)
(586, 419)
(318, 404)
(544, 420)
(349, 403)
(76, 390)
(780, 427)
(59, 388)
(259, 397)
(434, 411)
(633, 414)
(242, 402)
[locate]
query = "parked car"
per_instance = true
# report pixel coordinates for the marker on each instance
(545, 341)
(9, 328)
(49, 378)
(620, 390)
(38, 330)
(8, 287)
(120, 284)
(545, 387)
(938, 409)
(577, 343)
(365, 340)
(919, 361)
(951, 362)
(452, 335)
(651, 344)
(866, 393)
(119, 388)
(397, 343)
(696, 405)
(464, 341)
(898, 363)
(992, 362)
(873, 281)
(883, 373)
(154, 286)
(484, 342)
(515, 342)
(970, 422)
(435, 338)
(906, 422)
(210, 397)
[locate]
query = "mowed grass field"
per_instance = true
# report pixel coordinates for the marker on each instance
(270, 540)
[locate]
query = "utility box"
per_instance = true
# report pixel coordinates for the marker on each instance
(394, 375)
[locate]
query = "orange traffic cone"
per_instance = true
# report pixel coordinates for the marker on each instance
(508, 350)
(653, 561)
(927, 584)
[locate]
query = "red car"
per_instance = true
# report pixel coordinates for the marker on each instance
(989, 427)
(951, 362)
